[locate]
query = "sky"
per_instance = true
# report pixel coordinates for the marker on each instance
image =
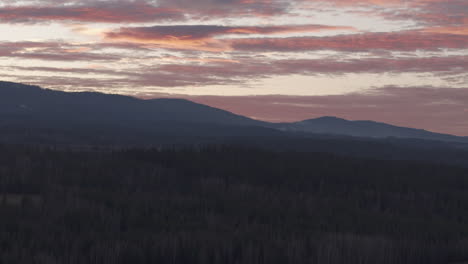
(403, 62)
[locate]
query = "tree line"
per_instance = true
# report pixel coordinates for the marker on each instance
(227, 204)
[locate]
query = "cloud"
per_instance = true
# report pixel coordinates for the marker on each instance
(110, 12)
(256, 69)
(206, 9)
(52, 51)
(444, 13)
(376, 65)
(213, 71)
(88, 70)
(398, 41)
(211, 38)
(204, 37)
(425, 13)
(118, 11)
(210, 31)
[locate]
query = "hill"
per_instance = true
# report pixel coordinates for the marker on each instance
(337, 126)
(76, 117)
(32, 115)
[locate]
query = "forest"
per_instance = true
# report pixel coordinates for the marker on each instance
(227, 204)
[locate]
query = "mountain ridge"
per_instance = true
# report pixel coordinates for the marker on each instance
(30, 104)
(48, 102)
(364, 128)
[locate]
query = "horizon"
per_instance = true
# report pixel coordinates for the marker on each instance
(398, 62)
(221, 108)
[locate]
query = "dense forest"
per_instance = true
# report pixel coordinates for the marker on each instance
(227, 204)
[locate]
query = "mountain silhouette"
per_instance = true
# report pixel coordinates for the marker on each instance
(371, 129)
(32, 110)
(33, 113)
(34, 102)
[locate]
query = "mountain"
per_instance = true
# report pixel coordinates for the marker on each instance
(37, 114)
(367, 129)
(32, 115)
(34, 102)
(32, 112)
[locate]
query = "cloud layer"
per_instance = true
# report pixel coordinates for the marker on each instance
(109, 13)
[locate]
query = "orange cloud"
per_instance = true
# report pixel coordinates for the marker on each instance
(203, 37)
(448, 30)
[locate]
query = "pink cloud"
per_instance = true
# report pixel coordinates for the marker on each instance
(118, 11)
(113, 12)
(400, 41)
(214, 71)
(210, 31)
(206, 9)
(204, 37)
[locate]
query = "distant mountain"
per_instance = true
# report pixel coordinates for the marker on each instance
(368, 129)
(37, 114)
(34, 102)
(47, 115)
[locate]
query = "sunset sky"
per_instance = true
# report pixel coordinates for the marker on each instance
(403, 62)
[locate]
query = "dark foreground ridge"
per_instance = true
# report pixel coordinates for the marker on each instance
(227, 205)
